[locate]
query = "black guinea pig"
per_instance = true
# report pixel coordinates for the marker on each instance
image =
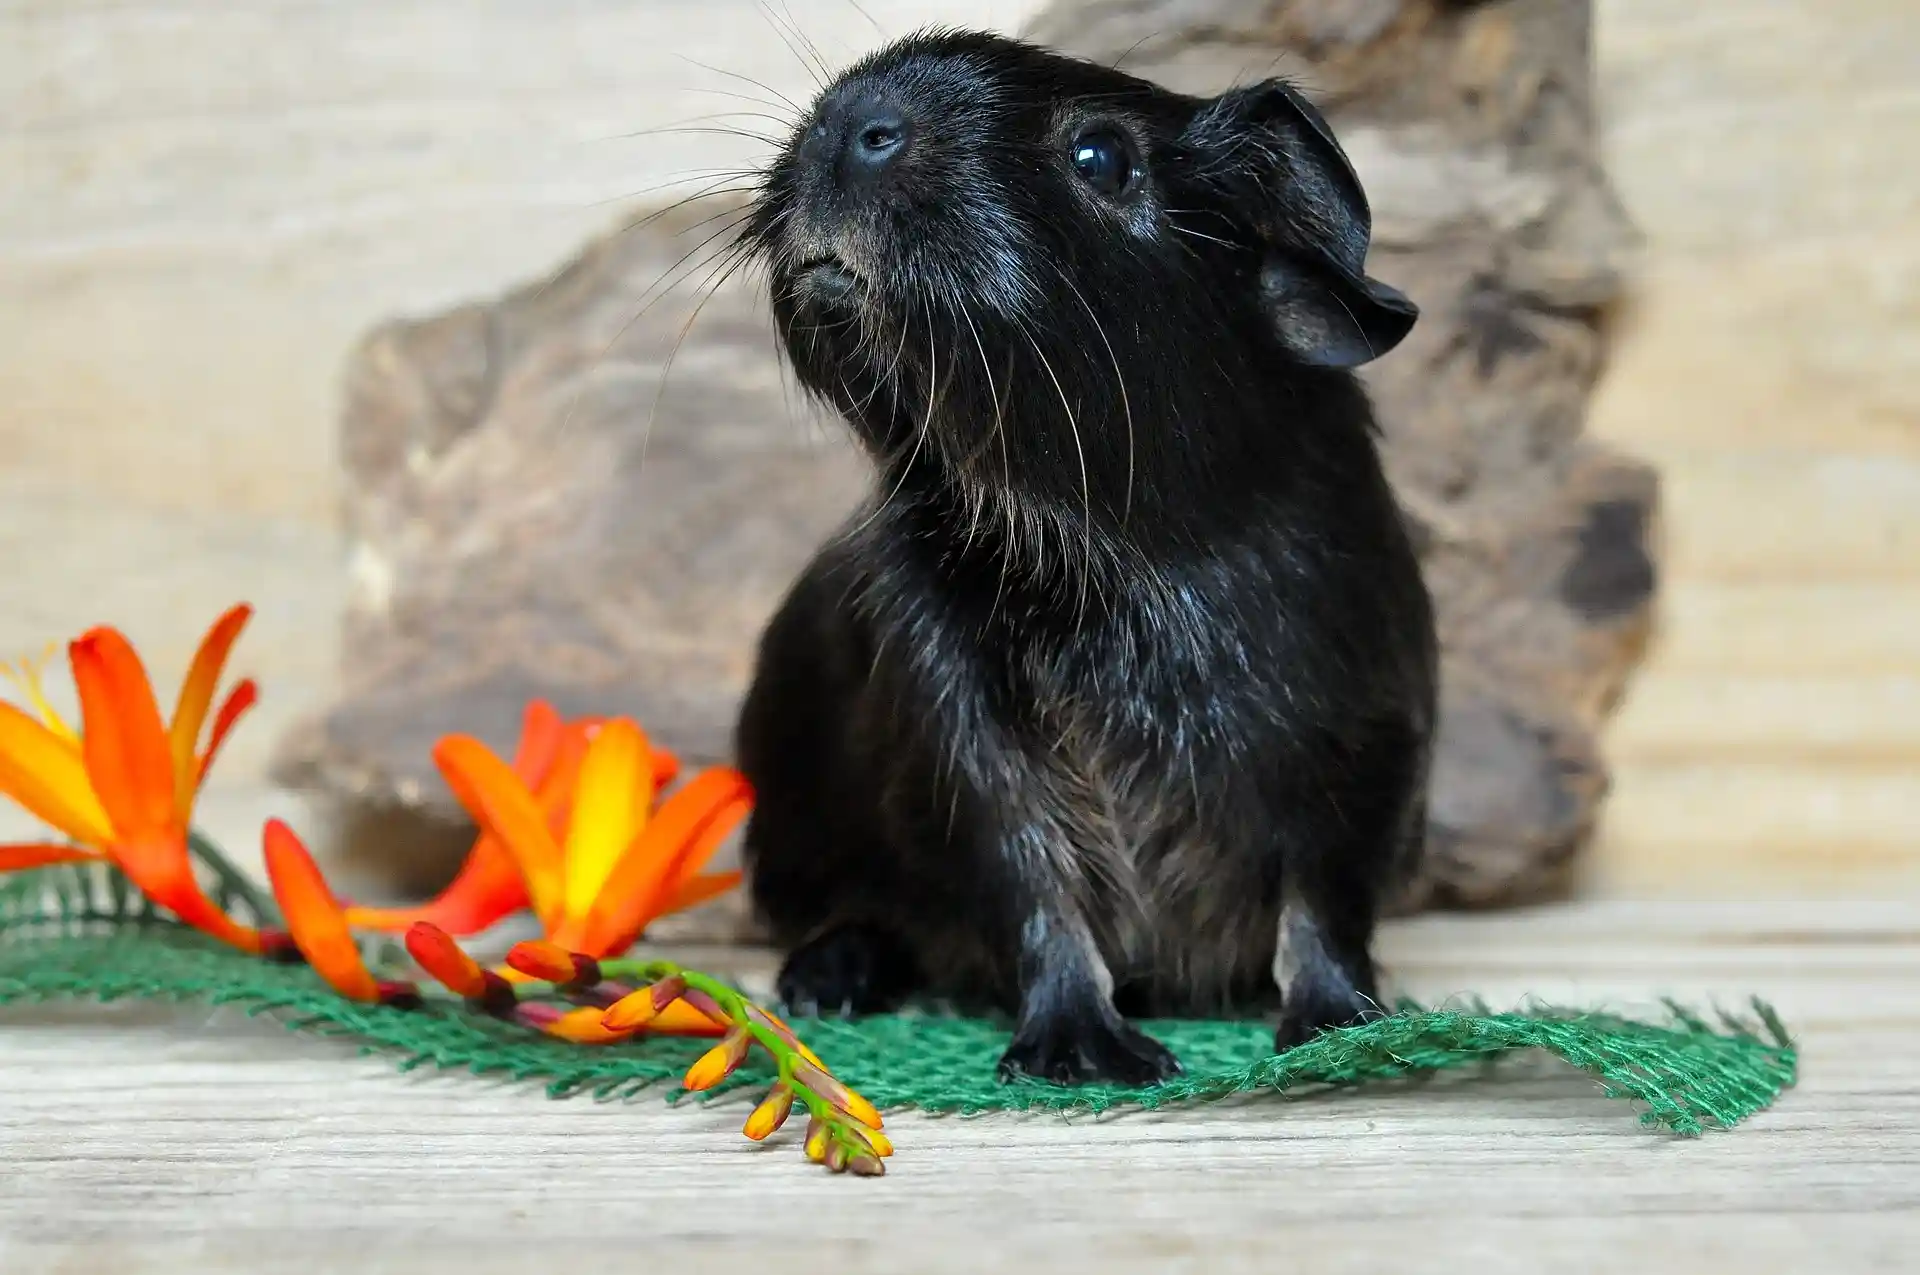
(1117, 700)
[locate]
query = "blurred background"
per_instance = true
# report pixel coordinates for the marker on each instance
(203, 206)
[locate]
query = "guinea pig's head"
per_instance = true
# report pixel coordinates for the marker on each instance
(1043, 271)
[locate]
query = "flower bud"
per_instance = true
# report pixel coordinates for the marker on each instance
(770, 1114)
(818, 1136)
(719, 1062)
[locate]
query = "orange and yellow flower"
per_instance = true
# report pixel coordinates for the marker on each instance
(575, 821)
(598, 859)
(489, 885)
(122, 787)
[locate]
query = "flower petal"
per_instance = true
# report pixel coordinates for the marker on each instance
(46, 775)
(244, 696)
(160, 868)
(579, 1026)
(26, 677)
(610, 805)
(501, 804)
(682, 1019)
(682, 836)
(541, 733)
(196, 697)
(313, 916)
(552, 767)
(717, 800)
(122, 737)
(486, 889)
(16, 858)
(691, 892)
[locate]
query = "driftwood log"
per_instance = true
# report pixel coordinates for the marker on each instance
(532, 512)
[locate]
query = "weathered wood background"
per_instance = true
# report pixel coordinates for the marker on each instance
(202, 206)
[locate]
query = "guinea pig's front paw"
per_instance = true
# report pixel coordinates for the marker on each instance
(1075, 1050)
(850, 969)
(1298, 1025)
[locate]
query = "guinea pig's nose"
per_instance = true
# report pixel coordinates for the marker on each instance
(858, 138)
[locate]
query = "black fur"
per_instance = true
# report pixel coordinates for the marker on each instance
(1125, 678)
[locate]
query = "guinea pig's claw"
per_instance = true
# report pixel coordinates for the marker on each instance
(848, 970)
(1089, 1049)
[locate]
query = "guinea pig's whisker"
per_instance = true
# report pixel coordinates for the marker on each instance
(814, 67)
(792, 105)
(838, 325)
(1120, 380)
(1195, 234)
(744, 97)
(1086, 488)
(891, 378)
(920, 435)
(717, 190)
(871, 20)
(713, 176)
(724, 264)
(718, 176)
(818, 59)
(688, 125)
(718, 184)
(716, 279)
(738, 215)
(710, 130)
(1131, 50)
(1006, 484)
(650, 296)
(976, 495)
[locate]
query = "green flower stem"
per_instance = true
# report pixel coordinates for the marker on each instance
(737, 1009)
(740, 1014)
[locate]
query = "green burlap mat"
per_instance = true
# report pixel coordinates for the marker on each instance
(70, 933)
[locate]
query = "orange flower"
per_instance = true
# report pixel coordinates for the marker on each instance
(489, 886)
(594, 858)
(122, 788)
(600, 862)
(317, 923)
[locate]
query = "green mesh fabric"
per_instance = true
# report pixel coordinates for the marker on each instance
(67, 934)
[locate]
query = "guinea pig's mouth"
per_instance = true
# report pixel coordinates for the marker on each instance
(823, 278)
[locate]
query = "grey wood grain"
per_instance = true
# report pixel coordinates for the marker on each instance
(143, 1140)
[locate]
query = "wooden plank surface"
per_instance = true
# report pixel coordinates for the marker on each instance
(143, 1140)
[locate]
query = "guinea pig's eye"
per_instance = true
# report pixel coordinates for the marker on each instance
(1104, 159)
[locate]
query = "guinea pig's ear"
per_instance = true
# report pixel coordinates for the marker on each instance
(1269, 150)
